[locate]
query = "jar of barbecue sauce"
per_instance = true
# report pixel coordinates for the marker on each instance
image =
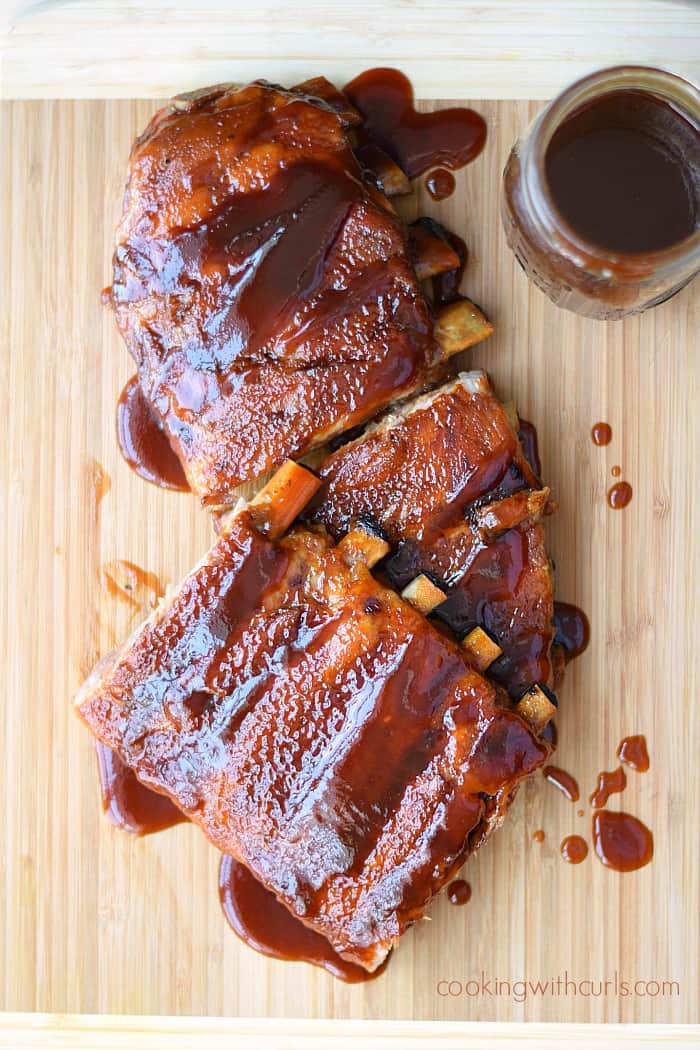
(601, 196)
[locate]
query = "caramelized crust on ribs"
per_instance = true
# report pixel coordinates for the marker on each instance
(317, 728)
(262, 285)
(447, 482)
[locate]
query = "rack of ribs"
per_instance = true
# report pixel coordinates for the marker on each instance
(263, 282)
(316, 726)
(446, 481)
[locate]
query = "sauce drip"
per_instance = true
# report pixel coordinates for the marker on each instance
(416, 141)
(143, 444)
(128, 804)
(574, 849)
(264, 924)
(620, 495)
(99, 481)
(633, 752)
(130, 584)
(459, 892)
(527, 434)
(538, 836)
(572, 630)
(616, 471)
(608, 784)
(440, 184)
(621, 841)
(601, 433)
(562, 780)
(624, 171)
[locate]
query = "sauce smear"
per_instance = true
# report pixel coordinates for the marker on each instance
(621, 841)
(624, 171)
(608, 784)
(128, 804)
(416, 141)
(527, 434)
(572, 630)
(562, 780)
(620, 495)
(255, 914)
(574, 849)
(633, 752)
(601, 433)
(440, 184)
(143, 444)
(459, 892)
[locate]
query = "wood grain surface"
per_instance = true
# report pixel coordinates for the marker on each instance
(473, 48)
(93, 920)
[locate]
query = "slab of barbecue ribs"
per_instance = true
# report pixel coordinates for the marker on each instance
(446, 481)
(315, 725)
(263, 282)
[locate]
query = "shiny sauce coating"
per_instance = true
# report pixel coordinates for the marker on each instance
(142, 442)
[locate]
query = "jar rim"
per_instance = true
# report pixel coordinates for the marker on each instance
(682, 94)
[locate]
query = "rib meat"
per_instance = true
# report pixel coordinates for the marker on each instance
(262, 284)
(317, 728)
(447, 482)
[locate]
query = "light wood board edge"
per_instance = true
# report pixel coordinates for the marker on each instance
(51, 1032)
(467, 49)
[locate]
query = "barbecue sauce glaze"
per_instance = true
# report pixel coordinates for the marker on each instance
(562, 780)
(633, 753)
(621, 842)
(440, 184)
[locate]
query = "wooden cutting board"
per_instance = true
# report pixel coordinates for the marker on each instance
(94, 920)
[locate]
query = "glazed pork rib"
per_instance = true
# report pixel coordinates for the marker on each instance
(314, 725)
(446, 481)
(263, 283)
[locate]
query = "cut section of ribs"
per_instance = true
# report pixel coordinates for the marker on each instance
(315, 726)
(447, 482)
(262, 284)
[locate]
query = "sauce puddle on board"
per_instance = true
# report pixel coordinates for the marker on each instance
(143, 444)
(572, 630)
(416, 141)
(128, 804)
(562, 780)
(459, 892)
(264, 924)
(601, 433)
(574, 849)
(633, 752)
(608, 784)
(620, 495)
(440, 184)
(621, 841)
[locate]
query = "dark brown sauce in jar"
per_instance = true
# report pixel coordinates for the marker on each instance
(459, 892)
(416, 141)
(574, 849)
(633, 752)
(608, 784)
(255, 914)
(143, 444)
(562, 780)
(621, 841)
(572, 630)
(128, 804)
(601, 434)
(620, 495)
(440, 184)
(623, 170)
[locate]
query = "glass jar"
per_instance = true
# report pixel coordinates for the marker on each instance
(574, 272)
